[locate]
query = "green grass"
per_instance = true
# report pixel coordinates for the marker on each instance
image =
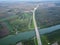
(53, 36)
(10, 27)
(32, 25)
(35, 41)
(9, 18)
(44, 40)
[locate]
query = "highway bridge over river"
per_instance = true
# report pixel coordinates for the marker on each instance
(12, 39)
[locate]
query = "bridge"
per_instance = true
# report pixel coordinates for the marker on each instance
(12, 39)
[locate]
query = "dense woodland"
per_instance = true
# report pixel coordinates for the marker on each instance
(46, 17)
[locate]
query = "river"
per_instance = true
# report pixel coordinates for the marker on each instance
(12, 39)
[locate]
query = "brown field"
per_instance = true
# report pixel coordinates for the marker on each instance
(4, 31)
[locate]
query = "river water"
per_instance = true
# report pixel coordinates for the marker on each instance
(12, 39)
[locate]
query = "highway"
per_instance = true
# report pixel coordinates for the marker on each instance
(36, 28)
